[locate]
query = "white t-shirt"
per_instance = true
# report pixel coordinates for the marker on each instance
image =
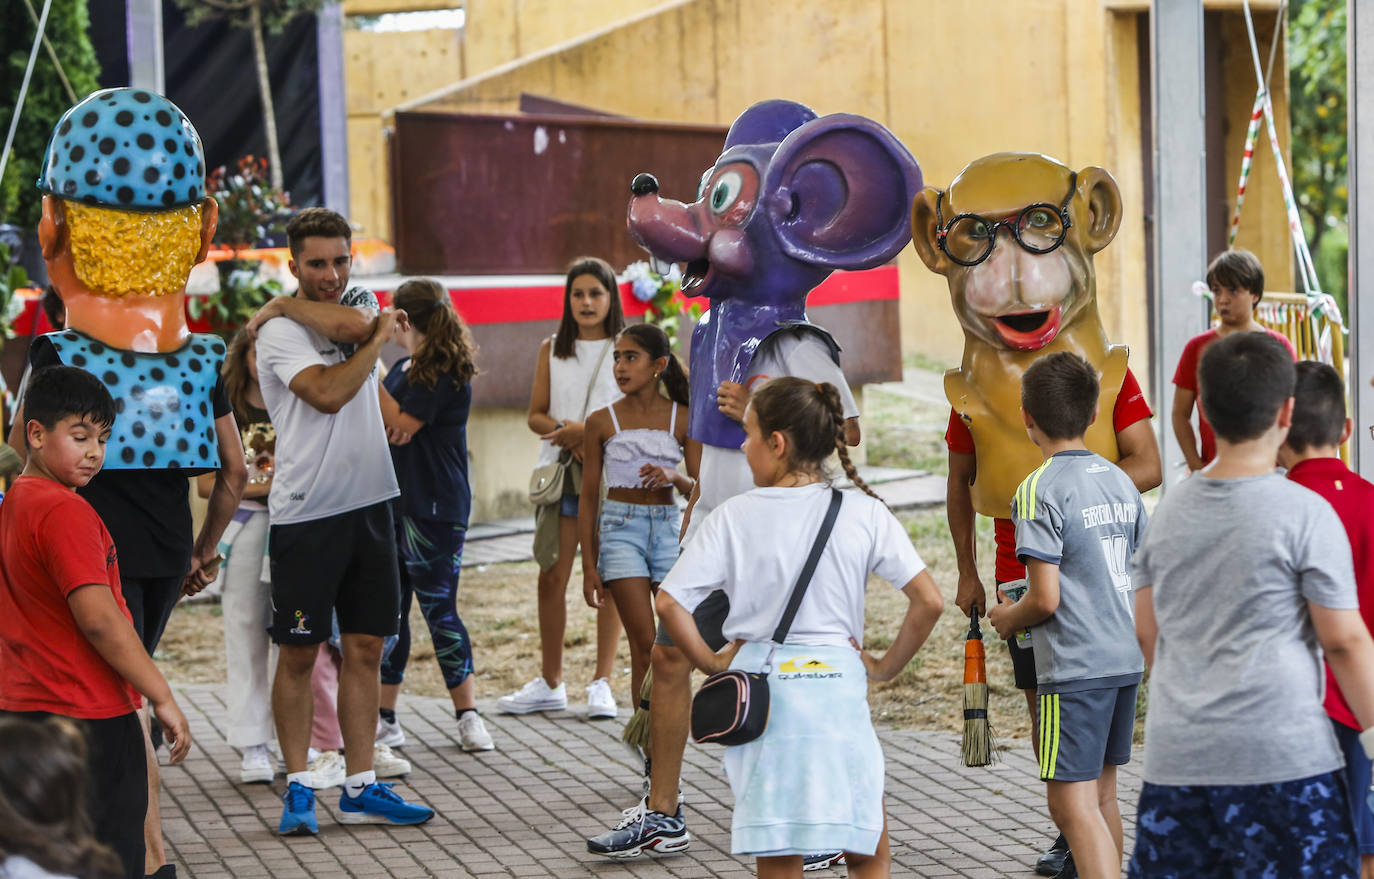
(725, 473)
(754, 545)
(325, 464)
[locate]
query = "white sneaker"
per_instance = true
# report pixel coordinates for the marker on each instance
(327, 770)
(600, 700)
(311, 756)
(389, 733)
(472, 733)
(256, 767)
(386, 764)
(534, 696)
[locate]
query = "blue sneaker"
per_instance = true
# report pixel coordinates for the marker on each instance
(378, 804)
(298, 814)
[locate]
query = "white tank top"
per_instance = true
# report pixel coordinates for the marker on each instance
(628, 450)
(568, 380)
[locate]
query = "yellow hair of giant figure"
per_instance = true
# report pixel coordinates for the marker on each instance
(1015, 234)
(125, 217)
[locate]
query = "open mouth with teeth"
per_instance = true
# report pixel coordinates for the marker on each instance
(1028, 330)
(695, 275)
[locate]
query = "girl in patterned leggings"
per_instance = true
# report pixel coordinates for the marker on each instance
(425, 407)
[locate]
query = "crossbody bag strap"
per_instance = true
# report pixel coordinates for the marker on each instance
(591, 383)
(804, 579)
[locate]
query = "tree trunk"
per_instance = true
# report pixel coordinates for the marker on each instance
(269, 113)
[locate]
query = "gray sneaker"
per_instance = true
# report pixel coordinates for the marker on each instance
(642, 829)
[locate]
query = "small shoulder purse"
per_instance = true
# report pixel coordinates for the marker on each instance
(731, 707)
(546, 482)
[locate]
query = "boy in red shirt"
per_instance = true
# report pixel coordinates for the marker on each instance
(67, 642)
(1236, 280)
(1312, 454)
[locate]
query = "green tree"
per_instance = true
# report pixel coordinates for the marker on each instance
(1317, 79)
(255, 15)
(48, 97)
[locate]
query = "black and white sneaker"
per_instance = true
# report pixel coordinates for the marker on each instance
(822, 861)
(642, 829)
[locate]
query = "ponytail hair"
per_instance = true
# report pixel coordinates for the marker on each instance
(811, 415)
(655, 343)
(447, 347)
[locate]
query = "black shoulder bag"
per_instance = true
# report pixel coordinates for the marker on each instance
(731, 707)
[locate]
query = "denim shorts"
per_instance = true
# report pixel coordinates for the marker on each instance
(637, 540)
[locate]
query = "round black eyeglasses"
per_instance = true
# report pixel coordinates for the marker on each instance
(968, 239)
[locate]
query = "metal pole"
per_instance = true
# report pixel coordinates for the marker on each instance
(143, 22)
(1360, 146)
(1177, 75)
(333, 107)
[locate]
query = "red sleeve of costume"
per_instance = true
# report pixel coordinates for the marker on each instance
(957, 436)
(1131, 405)
(1287, 343)
(1185, 376)
(75, 550)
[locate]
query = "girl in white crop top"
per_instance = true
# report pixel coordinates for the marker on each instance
(631, 540)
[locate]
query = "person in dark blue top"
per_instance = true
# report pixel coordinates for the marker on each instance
(425, 407)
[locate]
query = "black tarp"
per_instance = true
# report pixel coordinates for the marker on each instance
(211, 76)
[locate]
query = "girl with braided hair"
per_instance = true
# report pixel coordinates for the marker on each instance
(813, 782)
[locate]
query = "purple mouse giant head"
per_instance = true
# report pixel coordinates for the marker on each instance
(792, 198)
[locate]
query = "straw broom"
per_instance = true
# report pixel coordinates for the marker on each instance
(977, 747)
(636, 733)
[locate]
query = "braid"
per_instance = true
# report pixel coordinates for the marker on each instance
(830, 397)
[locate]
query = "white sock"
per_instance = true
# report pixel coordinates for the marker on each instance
(302, 778)
(354, 784)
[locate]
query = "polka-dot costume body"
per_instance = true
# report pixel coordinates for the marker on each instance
(164, 419)
(125, 148)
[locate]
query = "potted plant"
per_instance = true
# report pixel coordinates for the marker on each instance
(664, 308)
(250, 210)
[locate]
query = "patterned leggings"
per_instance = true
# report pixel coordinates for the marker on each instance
(430, 554)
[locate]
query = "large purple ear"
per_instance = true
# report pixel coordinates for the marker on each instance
(838, 193)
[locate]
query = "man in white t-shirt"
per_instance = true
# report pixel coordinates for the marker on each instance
(332, 546)
(657, 823)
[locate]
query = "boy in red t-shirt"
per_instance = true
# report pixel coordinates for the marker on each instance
(1236, 280)
(67, 643)
(1312, 454)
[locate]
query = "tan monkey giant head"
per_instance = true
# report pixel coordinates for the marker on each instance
(1043, 221)
(1015, 235)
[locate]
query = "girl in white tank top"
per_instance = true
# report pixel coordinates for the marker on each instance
(572, 371)
(630, 540)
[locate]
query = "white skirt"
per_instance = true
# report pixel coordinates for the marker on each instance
(813, 782)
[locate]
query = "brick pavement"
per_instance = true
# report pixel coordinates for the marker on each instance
(525, 809)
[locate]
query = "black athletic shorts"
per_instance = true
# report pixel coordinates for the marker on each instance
(1022, 659)
(710, 618)
(344, 564)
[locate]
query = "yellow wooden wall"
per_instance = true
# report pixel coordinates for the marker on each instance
(954, 81)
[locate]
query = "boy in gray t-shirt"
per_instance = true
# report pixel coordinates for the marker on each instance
(1241, 577)
(1078, 519)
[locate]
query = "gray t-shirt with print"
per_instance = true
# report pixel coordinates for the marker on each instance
(1236, 688)
(1081, 512)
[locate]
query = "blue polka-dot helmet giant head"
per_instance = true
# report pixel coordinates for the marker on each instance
(128, 149)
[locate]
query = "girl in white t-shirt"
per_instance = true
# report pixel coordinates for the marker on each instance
(631, 540)
(814, 780)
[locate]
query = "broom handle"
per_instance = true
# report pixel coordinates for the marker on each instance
(975, 632)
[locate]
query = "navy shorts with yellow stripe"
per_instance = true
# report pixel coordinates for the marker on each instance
(1082, 731)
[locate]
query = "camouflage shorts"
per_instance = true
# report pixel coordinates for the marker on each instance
(1289, 830)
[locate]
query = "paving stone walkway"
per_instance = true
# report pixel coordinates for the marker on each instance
(525, 809)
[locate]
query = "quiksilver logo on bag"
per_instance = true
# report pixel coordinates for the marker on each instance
(806, 667)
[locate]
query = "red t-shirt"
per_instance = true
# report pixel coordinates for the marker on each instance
(1130, 407)
(52, 543)
(1353, 500)
(1185, 376)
